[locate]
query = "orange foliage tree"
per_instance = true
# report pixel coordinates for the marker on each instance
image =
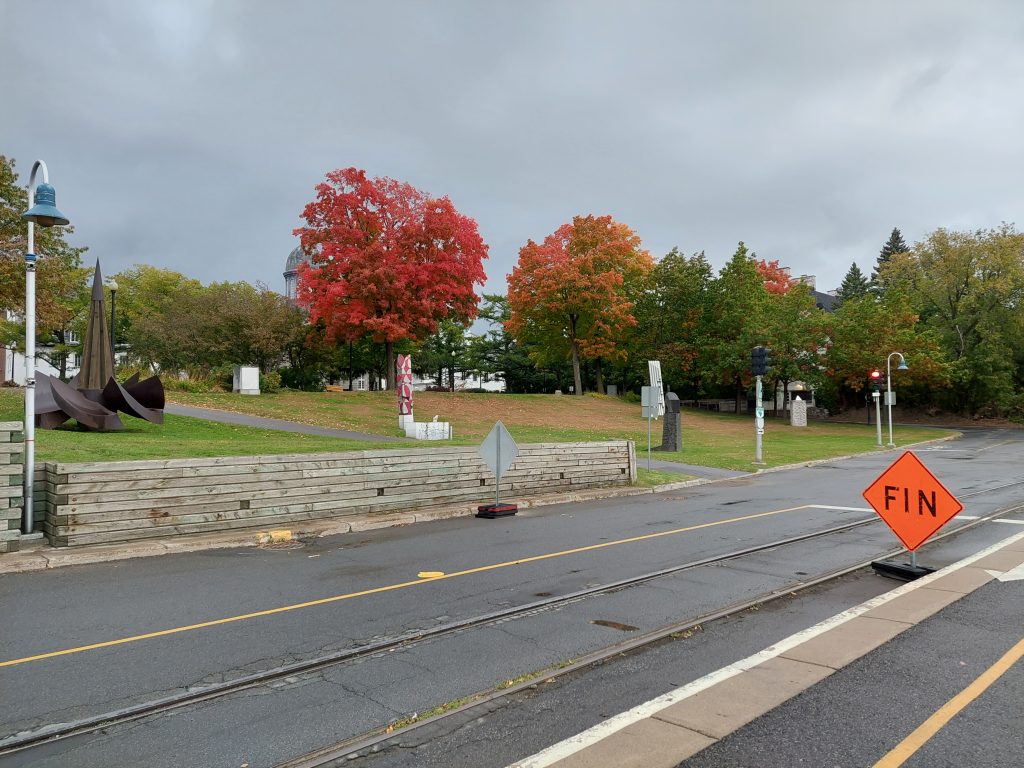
(573, 294)
(776, 278)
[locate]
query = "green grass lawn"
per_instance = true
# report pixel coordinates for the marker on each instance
(179, 437)
(714, 440)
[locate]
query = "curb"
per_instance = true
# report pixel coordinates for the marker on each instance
(45, 558)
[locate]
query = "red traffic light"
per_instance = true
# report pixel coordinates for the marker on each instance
(876, 374)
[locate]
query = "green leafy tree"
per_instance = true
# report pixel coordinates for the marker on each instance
(862, 332)
(968, 288)
(674, 321)
(498, 354)
(146, 297)
(443, 352)
(854, 286)
(220, 325)
(796, 331)
(738, 298)
(894, 245)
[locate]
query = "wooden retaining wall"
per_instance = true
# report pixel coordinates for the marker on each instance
(126, 500)
(12, 480)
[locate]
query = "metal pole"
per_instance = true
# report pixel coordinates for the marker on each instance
(28, 523)
(888, 395)
(113, 319)
(497, 468)
(757, 422)
(878, 418)
(650, 410)
(913, 558)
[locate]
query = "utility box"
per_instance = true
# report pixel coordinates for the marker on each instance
(246, 380)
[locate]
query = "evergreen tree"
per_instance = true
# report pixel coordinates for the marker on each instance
(854, 286)
(895, 244)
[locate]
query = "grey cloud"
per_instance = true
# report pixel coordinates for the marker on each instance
(190, 134)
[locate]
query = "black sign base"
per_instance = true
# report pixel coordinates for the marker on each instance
(491, 511)
(901, 571)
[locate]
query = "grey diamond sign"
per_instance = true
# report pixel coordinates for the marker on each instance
(498, 450)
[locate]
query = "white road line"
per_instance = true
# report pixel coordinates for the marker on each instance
(1008, 520)
(573, 744)
(841, 509)
(1014, 574)
(967, 517)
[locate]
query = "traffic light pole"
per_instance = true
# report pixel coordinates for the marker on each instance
(876, 396)
(758, 421)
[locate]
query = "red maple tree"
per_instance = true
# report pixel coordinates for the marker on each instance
(389, 261)
(573, 294)
(776, 278)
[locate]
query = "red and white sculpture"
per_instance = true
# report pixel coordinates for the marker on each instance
(404, 382)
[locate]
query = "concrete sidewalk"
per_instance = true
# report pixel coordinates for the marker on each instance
(230, 417)
(668, 730)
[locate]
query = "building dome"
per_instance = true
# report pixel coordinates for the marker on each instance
(295, 258)
(291, 271)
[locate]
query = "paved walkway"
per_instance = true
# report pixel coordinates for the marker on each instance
(686, 469)
(228, 417)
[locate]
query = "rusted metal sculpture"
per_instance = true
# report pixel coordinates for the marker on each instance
(94, 397)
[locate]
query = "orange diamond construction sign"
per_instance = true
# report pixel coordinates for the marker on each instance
(911, 501)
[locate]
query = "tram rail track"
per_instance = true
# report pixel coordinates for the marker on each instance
(373, 740)
(378, 741)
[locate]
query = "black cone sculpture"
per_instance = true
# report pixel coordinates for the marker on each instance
(94, 397)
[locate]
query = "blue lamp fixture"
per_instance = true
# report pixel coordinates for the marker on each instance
(44, 212)
(42, 201)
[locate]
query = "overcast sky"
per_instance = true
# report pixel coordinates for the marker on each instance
(189, 135)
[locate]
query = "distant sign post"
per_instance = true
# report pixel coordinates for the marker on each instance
(914, 504)
(648, 405)
(499, 452)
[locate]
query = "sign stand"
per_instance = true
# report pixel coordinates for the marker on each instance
(499, 451)
(914, 504)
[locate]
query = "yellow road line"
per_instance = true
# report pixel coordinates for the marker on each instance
(390, 588)
(906, 748)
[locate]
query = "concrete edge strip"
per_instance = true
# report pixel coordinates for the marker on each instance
(593, 735)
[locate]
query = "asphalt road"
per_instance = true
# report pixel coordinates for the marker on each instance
(854, 717)
(63, 609)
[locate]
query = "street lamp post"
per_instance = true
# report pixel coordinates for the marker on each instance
(42, 210)
(112, 285)
(888, 387)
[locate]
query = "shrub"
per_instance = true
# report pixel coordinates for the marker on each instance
(270, 382)
(305, 379)
(174, 384)
(223, 377)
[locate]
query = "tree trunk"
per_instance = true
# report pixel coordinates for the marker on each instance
(600, 376)
(451, 377)
(577, 379)
(389, 363)
(739, 393)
